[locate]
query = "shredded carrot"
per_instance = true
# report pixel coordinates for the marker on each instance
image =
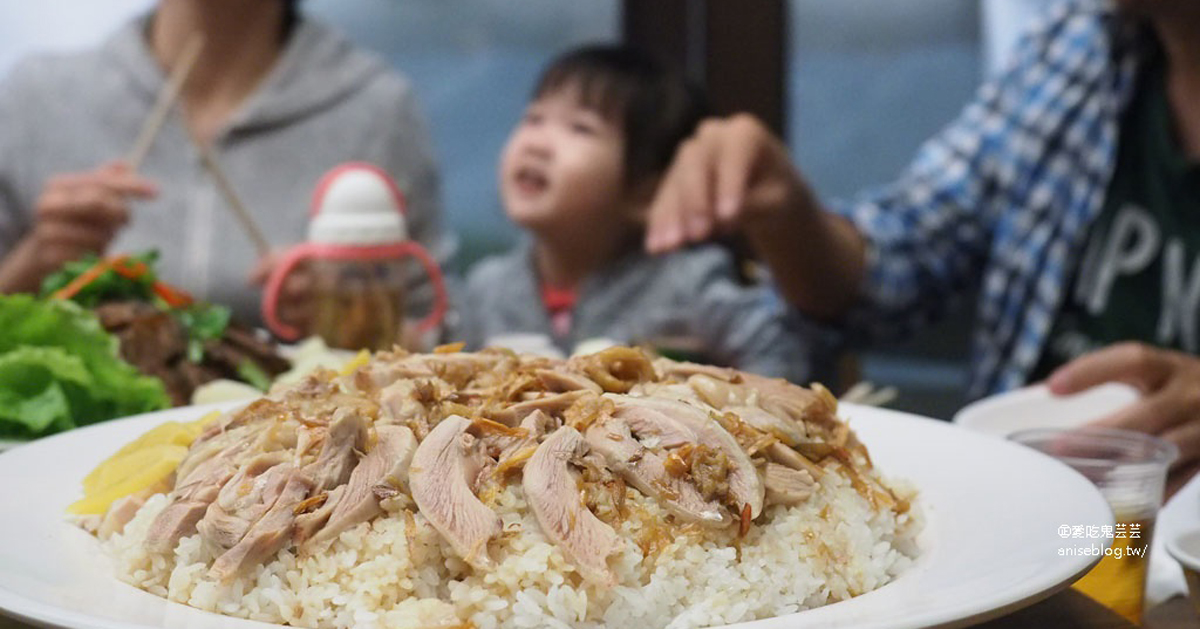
(85, 278)
(174, 297)
(744, 526)
(131, 269)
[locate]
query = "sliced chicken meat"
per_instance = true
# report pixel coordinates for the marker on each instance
(269, 534)
(314, 513)
(386, 464)
(651, 425)
(243, 500)
(789, 432)
(551, 404)
(782, 398)
(346, 438)
(667, 368)
(787, 486)
(560, 381)
(645, 469)
(745, 487)
(502, 441)
(410, 403)
(119, 514)
(551, 487)
(191, 497)
(716, 392)
(444, 469)
(788, 457)
(226, 443)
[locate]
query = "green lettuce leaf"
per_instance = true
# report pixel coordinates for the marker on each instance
(60, 369)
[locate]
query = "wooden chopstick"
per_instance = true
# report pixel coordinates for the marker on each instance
(249, 225)
(166, 98)
(158, 115)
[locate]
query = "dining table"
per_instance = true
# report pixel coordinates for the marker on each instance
(1071, 609)
(1066, 609)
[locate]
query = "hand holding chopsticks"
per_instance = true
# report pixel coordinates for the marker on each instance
(81, 212)
(75, 214)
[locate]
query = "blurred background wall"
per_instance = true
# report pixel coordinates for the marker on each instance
(867, 81)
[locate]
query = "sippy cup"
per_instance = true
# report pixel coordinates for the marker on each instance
(357, 249)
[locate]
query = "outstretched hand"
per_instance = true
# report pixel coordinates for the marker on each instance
(1170, 403)
(735, 175)
(730, 174)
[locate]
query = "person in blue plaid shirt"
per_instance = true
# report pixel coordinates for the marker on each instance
(1068, 192)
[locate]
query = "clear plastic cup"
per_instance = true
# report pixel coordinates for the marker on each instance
(1130, 470)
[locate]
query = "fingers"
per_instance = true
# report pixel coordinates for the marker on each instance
(1136, 364)
(1170, 381)
(709, 179)
(298, 285)
(678, 213)
(1179, 477)
(114, 177)
(263, 268)
(1171, 412)
(745, 144)
(296, 298)
(1186, 436)
(99, 197)
(1154, 414)
(694, 188)
(82, 205)
(664, 219)
(1181, 409)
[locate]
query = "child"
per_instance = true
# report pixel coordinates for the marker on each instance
(578, 173)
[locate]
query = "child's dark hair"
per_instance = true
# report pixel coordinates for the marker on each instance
(655, 107)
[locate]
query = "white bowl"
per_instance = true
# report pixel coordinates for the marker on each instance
(1036, 407)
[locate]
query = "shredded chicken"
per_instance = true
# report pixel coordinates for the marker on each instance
(441, 434)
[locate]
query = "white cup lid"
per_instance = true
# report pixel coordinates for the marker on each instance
(357, 204)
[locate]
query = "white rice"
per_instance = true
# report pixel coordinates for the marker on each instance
(396, 571)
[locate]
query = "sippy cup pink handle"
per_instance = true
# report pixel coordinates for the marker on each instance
(299, 253)
(440, 300)
(270, 301)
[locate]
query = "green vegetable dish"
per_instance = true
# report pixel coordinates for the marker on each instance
(106, 338)
(59, 369)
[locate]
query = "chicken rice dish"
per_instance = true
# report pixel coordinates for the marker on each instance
(492, 489)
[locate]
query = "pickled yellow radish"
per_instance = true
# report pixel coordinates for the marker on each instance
(167, 433)
(199, 425)
(129, 474)
(354, 363)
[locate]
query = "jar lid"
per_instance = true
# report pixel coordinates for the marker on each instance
(357, 204)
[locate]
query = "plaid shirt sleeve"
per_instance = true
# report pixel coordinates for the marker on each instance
(934, 232)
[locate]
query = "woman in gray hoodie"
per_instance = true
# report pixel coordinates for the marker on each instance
(278, 98)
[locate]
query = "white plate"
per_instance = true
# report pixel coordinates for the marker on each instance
(991, 544)
(1036, 407)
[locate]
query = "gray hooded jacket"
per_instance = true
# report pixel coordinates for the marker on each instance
(324, 103)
